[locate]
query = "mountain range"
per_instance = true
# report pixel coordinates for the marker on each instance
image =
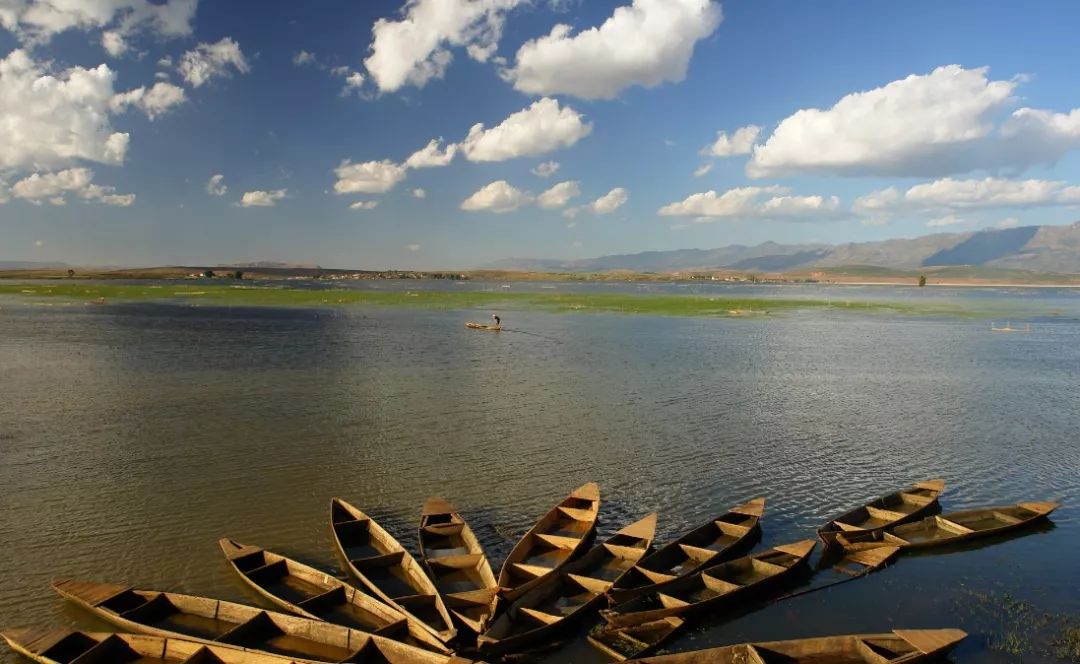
(1032, 248)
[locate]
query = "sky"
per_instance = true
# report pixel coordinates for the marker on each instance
(382, 134)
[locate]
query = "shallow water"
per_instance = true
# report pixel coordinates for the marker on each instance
(132, 437)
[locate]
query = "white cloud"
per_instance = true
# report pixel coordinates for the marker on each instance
(1008, 222)
(262, 198)
(364, 205)
(114, 43)
(354, 83)
(78, 182)
(703, 169)
(646, 43)
(559, 195)
(165, 61)
(369, 177)
(538, 129)
(216, 186)
(546, 169)
(302, 57)
(56, 119)
(208, 61)
(947, 220)
(753, 202)
(419, 193)
(37, 21)
(415, 49)
(430, 156)
(950, 194)
(611, 201)
(498, 197)
(412, 247)
(155, 101)
(741, 141)
(927, 125)
(571, 213)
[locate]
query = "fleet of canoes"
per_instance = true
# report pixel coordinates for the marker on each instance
(449, 607)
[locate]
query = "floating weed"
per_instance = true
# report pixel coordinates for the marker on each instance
(1067, 643)
(1016, 627)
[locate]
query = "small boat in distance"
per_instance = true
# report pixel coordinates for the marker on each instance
(889, 510)
(901, 645)
(482, 326)
(1009, 328)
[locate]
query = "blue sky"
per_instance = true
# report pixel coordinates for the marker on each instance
(842, 121)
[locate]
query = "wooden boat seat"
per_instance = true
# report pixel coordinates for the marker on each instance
(479, 597)
(1007, 518)
(718, 586)
(670, 602)
(259, 624)
(111, 650)
(268, 572)
(731, 529)
(122, 602)
(463, 561)
(396, 630)
(540, 617)
(152, 610)
(65, 648)
(534, 571)
(655, 577)
(916, 499)
(623, 552)
(325, 600)
(751, 655)
(203, 656)
(352, 528)
(558, 541)
(847, 527)
(594, 586)
(584, 515)
(952, 526)
(697, 554)
(887, 516)
(445, 529)
(872, 654)
(420, 599)
(383, 560)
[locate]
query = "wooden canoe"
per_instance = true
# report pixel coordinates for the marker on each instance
(556, 539)
(481, 326)
(890, 510)
(213, 621)
(952, 528)
(64, 646)
(387, 570)
(720, 539)
(909, 646)
(314, 594)
(570, 594)
(456, 562)
(714, 587)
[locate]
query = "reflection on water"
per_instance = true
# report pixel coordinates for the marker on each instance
(133, 437)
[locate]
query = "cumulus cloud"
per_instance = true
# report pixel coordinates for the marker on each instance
(541, 128)
(1008, 222)
(369, 177)
(419, 193)
(930, 125)
(208, 61)
(354, 83)
(56, 119)
(302, 58)
(498, 197)
(741, 141)
(261, 198)
(416, 48)
(431, 156)
(772, 202)
(154, 101)
(216, 186)
(114, 43)
(37, 21)
(646, 43)
(609, 202)
(78, 182)
(559, 195)
(364, 205)
(546, 169)
(949, 194)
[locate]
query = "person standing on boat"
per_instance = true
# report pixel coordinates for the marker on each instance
(498, 321)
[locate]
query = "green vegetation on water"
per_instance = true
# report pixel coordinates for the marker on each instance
(627, 303)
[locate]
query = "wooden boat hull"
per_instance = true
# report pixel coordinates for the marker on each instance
(715, 541)
(952, 528)
(566, 597)
(216, 622)
(456, 563)
(556, 539)
(907, 646)
(387, 570)
(890, 510)
(715, 587)
(481, 326)
(327, 598)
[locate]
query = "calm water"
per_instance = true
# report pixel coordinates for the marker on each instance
(132, 437)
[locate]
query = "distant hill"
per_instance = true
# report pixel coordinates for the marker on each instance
(29, 265)
(1031, 248)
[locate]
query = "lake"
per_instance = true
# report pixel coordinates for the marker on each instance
(133, 436)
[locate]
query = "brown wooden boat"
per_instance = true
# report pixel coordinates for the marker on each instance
(719, 539)
(482, 326)
(890, 510)
(952, 528)
(457, 564)
(387, 570)
(713, 587)
(901, 646)
(555, 540)
(311, 593)
(213, 621)
(65, 646)
(571, 593)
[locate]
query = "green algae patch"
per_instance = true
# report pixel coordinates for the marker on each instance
(624, 303)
